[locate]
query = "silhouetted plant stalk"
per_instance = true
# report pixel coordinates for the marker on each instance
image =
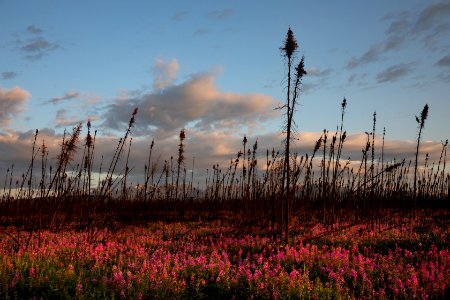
(106, 185)
(180, 164)
(421, 122)
(342, 136)
(372, 170)
(127, 170)
(364, 195)
(289, 49)
(148, 170)
(180, 160)
(28, 176)
(68, 149)
(89, 159)
(33, 155)
(323, 173)
(439, 176)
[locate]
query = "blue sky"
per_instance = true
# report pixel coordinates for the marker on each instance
(215, 68)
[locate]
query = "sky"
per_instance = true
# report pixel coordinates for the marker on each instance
(215, 68)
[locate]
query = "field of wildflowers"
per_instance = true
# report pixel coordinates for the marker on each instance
(292, 227)
(178, 260)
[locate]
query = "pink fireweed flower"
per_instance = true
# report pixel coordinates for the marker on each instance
(249, 274)
(70, 269)
(79, 288)
(293, 274)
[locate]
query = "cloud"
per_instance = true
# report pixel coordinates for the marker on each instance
(432, 15)
(197, 102)
(38, 47)
(432, 26)
(12, 103)
(316, 72)
(376, 51)
(400, 24)
(357, 77)
(394, 72)
(8, 75)
(270, 84)
(34, 30)
(315, 78)
(220, 14)
(78, 107)
(180, 15)
(166, 73)
(63, 121)
(444, 61)
(16, 149)
(67, 96)
(373, 54)
(308, 88)
(200, 31)
(208, 148)
(427, 26)
(35, 46)
(445, 77)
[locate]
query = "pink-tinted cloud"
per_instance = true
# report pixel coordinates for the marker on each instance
(12, 103)
(63, 119)
(165, 73)
(197, 102)
(208, 148)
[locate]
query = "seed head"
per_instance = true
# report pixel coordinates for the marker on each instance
(344, 103)
(290, 44)
(132, 120)
(424, 114)
(182, 135)
(318, 144)
(300, 69)
(89, 140)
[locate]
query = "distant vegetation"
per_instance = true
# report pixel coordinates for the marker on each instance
(286, 202)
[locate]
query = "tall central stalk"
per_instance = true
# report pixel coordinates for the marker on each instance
(289, 49)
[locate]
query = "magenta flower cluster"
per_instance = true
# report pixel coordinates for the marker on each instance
(155, 262)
